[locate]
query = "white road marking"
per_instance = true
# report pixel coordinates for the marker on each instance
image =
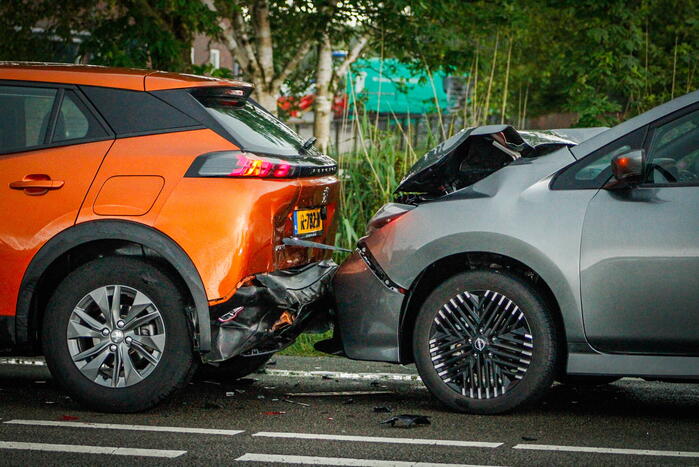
(22, 361)
(113, 426)
(81, 449)
(633, 452)
(344, 375)
(313, 460)
(378, 439)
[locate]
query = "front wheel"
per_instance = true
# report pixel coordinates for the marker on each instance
(485, 342)
(115, 335)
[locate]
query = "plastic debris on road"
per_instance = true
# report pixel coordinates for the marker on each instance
(274, 412)
(407, 421)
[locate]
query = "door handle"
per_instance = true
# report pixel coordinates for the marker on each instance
(36, 184)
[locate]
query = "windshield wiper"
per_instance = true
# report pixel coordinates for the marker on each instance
(309, 143)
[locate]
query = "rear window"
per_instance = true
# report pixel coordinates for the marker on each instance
(254, 128)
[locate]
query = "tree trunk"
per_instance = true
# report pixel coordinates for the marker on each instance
(323, 101)
(267, 99)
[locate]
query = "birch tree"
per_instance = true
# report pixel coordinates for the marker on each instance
(350, 25)
(268, 39)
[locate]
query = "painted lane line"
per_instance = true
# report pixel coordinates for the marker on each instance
(113, 426)
(22, 361)
(633, 452)
(379, 439)
(344, 375)
(81, 449)
(313, 460)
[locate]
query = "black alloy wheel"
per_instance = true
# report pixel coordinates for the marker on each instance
(484, 342)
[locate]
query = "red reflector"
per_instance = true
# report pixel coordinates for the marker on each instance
(282, 170)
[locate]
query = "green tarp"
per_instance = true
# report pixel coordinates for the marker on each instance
(391, 87)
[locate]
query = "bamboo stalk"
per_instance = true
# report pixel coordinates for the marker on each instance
(507, 82)
(474, 100)
(524, 108)
(492, 76)
(674, 70)
(436, 102)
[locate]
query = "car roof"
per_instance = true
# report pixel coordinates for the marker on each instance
(95, 75)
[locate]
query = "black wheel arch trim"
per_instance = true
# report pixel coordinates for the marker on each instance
(114, 230)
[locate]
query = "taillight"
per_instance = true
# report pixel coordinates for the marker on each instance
(387, 214)
(245, 164)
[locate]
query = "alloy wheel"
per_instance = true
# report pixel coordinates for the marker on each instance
(116, 336)
(480, 344)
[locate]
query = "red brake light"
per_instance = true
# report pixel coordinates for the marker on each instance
(247, 165)
(240, 164)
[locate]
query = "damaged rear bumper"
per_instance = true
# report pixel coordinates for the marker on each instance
(269, 314)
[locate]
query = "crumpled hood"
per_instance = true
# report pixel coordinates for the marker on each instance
(474, 153)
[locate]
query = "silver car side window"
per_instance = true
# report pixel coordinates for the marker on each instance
(673, 153)
(594, 170)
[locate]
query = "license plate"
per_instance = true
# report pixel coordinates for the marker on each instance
(307, 222)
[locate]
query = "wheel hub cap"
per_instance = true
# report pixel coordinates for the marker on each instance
(480, 344)
(116, 336)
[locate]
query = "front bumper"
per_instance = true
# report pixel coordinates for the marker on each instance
(269, 314)
(367, 312)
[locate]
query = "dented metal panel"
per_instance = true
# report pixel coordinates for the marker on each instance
(272, 311)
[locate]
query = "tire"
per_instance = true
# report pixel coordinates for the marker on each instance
(234, 368)
(449, 364)
(151, 349)
(576, 380)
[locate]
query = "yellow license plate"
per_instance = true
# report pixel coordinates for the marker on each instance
(307, 222)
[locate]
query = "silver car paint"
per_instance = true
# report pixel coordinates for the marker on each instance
(495, 215)
(514, 196)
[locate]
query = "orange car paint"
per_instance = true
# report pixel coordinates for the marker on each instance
(123, 78)
(42, 216)
(230, 228)
(126, 195)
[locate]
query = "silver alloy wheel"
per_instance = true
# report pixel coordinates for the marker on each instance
(116, 336)
(480, 344)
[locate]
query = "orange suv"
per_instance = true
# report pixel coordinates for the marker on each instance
(153, 221)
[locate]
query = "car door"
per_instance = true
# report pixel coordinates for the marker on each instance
(51, 145)
(640, 250)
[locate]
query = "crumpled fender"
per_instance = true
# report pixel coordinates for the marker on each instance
(246, 324)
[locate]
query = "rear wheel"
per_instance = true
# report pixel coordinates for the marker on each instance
(485, 342)
(234, 368)
(115, 335)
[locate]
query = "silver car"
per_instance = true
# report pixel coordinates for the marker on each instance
(512, 259)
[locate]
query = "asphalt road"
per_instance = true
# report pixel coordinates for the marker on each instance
(249, 423)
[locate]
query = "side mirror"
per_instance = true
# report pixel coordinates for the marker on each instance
(627, 169)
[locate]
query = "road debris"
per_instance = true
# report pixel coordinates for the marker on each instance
(407, 421)
(289, 401)
(274, 412)
(336, 393)
(383, 409)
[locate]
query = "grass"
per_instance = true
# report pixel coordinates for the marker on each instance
(303, 347)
